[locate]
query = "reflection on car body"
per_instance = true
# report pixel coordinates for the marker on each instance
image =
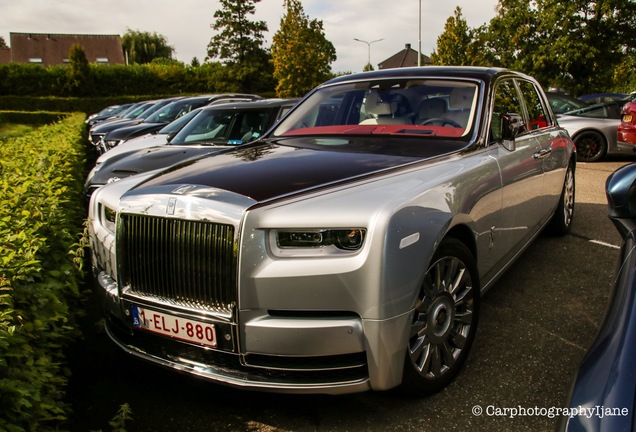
(210, 130)
(345, 250)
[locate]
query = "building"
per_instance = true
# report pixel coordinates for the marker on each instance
(405, 58)
(48, 49)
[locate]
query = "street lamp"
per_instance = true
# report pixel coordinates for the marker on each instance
(369, 47)
(419, 38)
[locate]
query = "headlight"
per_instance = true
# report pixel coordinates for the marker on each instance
(316, 242)
(109, 217)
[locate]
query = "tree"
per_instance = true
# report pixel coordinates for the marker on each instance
(144, 47)
(3, 44)
(578, 45)
(453, 45)
(79, 72)
(239, 45)
(297, 68)
(590, 38)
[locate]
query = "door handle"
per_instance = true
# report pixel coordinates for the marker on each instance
(542, 154)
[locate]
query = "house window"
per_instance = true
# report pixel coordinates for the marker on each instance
(35, 59)
(102, 60)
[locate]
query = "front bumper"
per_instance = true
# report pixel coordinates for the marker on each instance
(297, 353)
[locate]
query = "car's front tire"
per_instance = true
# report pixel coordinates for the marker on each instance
(562, 219)
(444, 320)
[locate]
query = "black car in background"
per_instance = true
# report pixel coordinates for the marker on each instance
(167, 114)
(106, 113)
(214, 128)
(139, 112)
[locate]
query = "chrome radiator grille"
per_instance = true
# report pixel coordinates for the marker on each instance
(186, 263)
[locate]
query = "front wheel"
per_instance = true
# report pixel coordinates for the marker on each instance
(444, 320)
(562, 219)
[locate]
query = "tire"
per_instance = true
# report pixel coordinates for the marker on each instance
(591, 146)
(444, 320)
(561, 221)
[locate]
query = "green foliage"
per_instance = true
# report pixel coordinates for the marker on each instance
(158, 78)
(238, 44)
(144, 47)
(124, 414)
(79, 72)
(453, 44)
(581, 46)
(297, 68)
(40, 219)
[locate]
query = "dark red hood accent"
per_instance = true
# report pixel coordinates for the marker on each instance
(267, 171)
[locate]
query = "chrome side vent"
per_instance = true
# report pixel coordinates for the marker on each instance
(185, 263)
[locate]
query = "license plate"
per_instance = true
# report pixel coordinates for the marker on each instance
(176, 327)
(627, 118)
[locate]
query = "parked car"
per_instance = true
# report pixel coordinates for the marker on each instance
(626, 138)
(214, 128)
(345, 250)
(167, 114)
(602, 397)
(148, 140)
(603, 97)
(594, 130)
(135, 116)
(106, 113)
(561, 102)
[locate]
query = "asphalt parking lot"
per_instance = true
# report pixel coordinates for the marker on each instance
(536, 323)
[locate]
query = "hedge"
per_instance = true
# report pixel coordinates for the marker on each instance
(41, 215)
(67, 104)
(36, 118)
(31, 80)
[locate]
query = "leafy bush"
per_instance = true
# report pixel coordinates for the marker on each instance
(40, 220)
(66, 104)
(154, 79)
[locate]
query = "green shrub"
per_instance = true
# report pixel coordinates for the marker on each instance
(34, 118)
(40, 220)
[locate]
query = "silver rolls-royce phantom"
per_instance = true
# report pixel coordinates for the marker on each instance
(347, 249)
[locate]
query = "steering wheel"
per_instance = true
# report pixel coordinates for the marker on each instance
(441, 121)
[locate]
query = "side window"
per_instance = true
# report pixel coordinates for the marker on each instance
(506, 101)
(536, 112)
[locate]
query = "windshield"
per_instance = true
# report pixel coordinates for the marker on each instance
(225, 126)
(175, 110)
(430, 107)
(608, 110)
(176, 125)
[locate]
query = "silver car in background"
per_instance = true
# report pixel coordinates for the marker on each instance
(347, 249)
(594, 130)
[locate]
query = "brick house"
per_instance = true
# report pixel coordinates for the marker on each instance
(49, 49)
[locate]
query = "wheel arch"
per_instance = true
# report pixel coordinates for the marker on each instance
(588, 130)
(465, 235)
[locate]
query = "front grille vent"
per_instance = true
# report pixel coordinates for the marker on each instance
(185, 263)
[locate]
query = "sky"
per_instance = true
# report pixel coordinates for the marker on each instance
(186, 24)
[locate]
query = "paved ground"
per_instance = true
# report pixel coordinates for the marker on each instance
(536, 324)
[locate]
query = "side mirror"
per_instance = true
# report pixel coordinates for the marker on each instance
(620, 189)
(170, 136)
(512, 125)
